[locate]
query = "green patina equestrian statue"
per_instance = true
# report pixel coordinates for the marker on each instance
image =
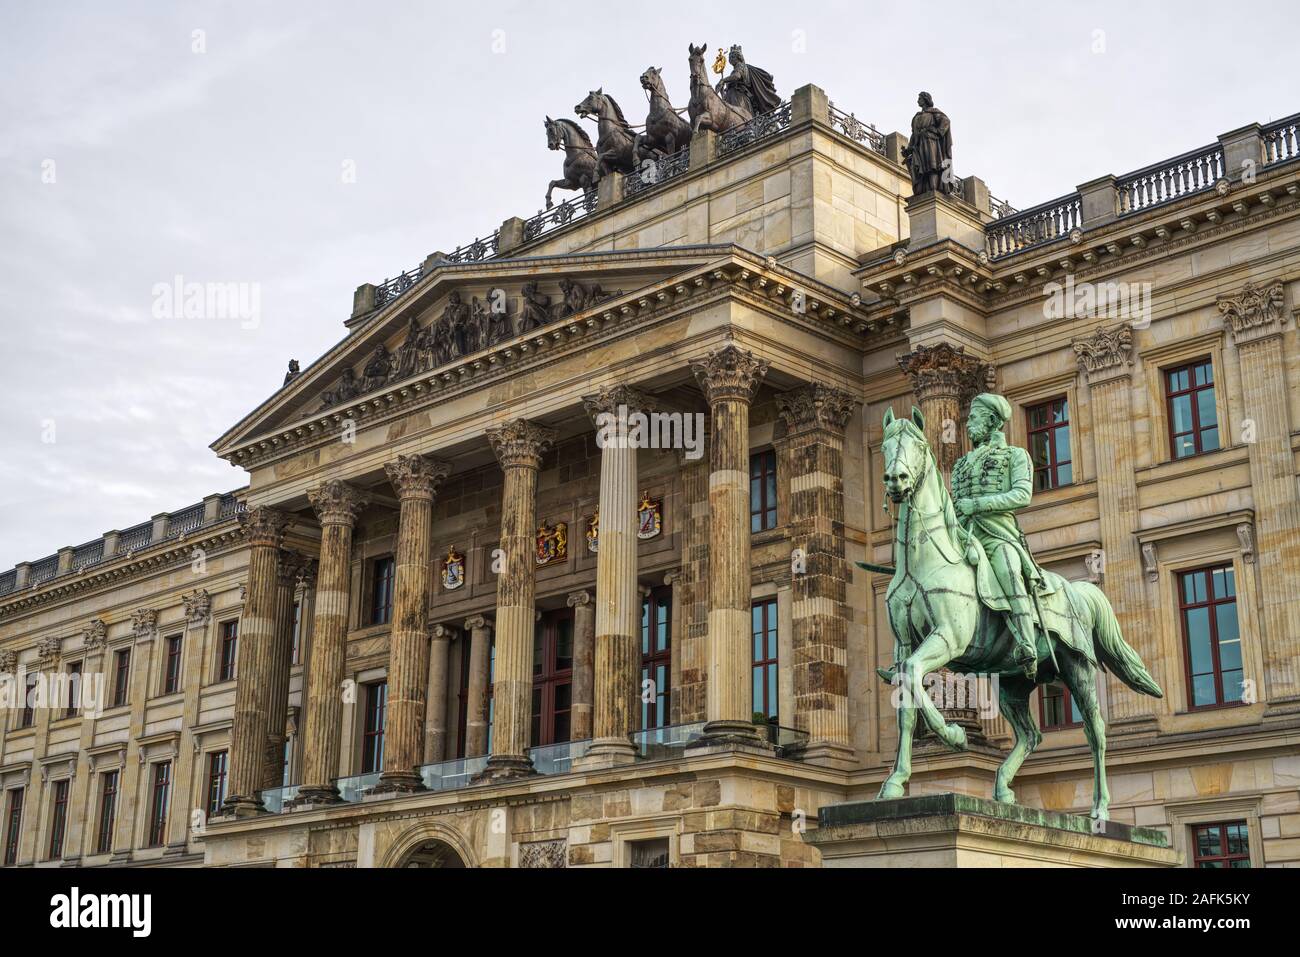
(967, 595)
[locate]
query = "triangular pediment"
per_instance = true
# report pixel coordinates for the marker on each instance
(464, 315)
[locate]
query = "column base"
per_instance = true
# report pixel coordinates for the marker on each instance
(398, 782)
(732, 734)
(826, 754)
(314, 796)
(238, 806)
(502, 767)
(606, 753)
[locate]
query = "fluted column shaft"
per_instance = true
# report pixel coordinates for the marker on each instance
(416, 478)
(337, 505)
(729, 378)
(263, 528)
(476, 705)
(281, 662)
(584, 643)
(435, 732)
(518, 445)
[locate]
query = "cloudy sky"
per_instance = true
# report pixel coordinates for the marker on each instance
(305, 148)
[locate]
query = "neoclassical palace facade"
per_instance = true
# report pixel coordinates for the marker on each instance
(443, 625)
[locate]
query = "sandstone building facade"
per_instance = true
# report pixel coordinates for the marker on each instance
(442, 625)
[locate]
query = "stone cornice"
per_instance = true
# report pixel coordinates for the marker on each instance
(744, 276)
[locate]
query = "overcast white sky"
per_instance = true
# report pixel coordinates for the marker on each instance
(226, 165)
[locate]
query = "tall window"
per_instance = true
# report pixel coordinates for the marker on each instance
(1049, 443)
(1057, 709)
(107, 811)
(216, 782)
(58, 819)
(13, 825)
(159, 797)
(372, 735)
(1208, 608)
(1193, 419)
(1221, 845)
(297, 631)
(381, 590)
(74, 690)
(121, 676)
(28, 717)
(765, 661)
(762, 491)
(656, 656)
(229, 650)
(552, 677)
(172, 666)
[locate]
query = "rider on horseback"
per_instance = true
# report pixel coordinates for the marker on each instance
(989, 485)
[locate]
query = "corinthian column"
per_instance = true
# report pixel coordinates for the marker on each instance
(291, 566)
(1255, 317)
(813, 449)
(618, 602)
(584, 642)
(945, 379)
(729, 377)
(518, 445)
(1105, 359)
(476, 706)
(416, 478)
(262, 528)
(337, 506)
(435, 734)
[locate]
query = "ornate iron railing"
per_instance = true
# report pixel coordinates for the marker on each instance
(655, 172)
(759, 128)
(855, 129)
(1042, 224)
(184, 521)
(230, 506)
(89, 554)
(559, 216)
(1170, 180)
(134, 538)
(44, 570)
(1282, 140)
(8, 581)
(390, 289)
(476, 251)
(1000, 208)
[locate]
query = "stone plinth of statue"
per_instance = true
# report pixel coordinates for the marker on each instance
(958, 830)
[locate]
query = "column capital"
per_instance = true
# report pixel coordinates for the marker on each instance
(289, 567)
(579, 598)
(1254, 313)
(443, 632)
(729, 372)
(816, 406)
(521, 443)
(1106, 354)
(609, 401)
(946, 370)
(144, 622)
(337, 503)
(674, 576)
(94, 634)
(263, 525)
(417, 476)
(48, 651)
(475, 622)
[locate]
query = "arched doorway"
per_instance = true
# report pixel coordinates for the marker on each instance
(432, 853)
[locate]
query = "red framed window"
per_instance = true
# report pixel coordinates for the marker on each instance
(762, 491)
(1222, 845)
(1193, 417)
(107, 812)
(172, 666)
(121, 676)
(381, 590)
(372, 734)
(13, 826)
(74, 690)
(160, 797)
(552, 677)
(217, 763)
(58, 819)
(297, 632)
(229, 650)
(1057, 709)
(28, 717)
(1211, 640)
(765, 661)
(1049, 443)
(656, 657)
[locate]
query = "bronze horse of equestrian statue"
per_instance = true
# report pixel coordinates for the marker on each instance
(616, 139)
(579, 156)
(708, 110)
(665, 131)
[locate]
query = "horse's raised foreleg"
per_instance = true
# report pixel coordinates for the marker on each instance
(931, 655)
(1080, 677)
(562, 183)
(1013, 701)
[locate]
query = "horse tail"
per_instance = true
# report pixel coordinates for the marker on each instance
(1110, 646)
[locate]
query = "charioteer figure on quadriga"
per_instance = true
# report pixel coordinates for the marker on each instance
(967, 595)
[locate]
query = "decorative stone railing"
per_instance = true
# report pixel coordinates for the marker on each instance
(1170, 180)
(1282, 140)
(1033, 227)
(856, 130)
